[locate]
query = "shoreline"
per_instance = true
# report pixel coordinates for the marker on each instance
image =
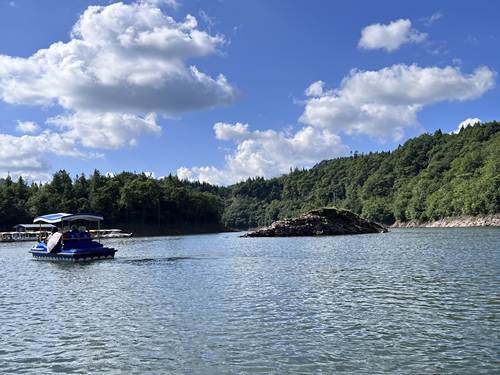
(139, 231)
(453, 222)
(155, 231)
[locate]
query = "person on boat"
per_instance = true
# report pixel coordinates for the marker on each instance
(84, 233)
(55, 236)
(74, 234)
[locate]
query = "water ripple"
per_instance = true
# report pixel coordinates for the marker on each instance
(406, 302)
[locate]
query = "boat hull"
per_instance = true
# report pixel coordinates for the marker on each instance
(75, 255)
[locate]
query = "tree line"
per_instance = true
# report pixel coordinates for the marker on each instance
(427, 178)
(126, 198)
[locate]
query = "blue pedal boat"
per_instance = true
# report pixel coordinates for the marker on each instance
(69, 243)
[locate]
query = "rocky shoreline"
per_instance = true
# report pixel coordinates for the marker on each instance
(453, 222)
(320, 222)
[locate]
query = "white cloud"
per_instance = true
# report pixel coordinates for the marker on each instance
(315, 89)
(390, 37)
(171, 3)
(105, 130)
(209, 21)
(434, 17)
(123, 57)
(228, 132)
(27, 126)
(383, 103)
(29, 155)
(123, 64)
(466, 123)
(266, 153)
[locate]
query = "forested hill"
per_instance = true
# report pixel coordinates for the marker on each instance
(429, 177)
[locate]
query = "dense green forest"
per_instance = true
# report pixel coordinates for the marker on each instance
(427, 178)
(128, 199)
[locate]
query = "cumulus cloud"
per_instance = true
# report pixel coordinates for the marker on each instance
(466, 123)
(122, 57)
(228, 132)
(105, 130)
(390, 37)
(315, 89)
(383, 103)
(27, 127)
(266, 153)
(29, 155)
(123, 64)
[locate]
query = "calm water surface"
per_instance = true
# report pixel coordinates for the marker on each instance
(407, 302)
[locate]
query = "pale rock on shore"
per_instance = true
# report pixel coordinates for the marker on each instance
(453, 222)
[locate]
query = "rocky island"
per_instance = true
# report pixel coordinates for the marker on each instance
(319, 222)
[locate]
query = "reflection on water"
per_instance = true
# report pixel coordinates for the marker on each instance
(154, 260)
(409, 301)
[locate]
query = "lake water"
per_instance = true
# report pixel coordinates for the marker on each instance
(411, 301)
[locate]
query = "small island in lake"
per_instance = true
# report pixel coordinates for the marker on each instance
(319, 222)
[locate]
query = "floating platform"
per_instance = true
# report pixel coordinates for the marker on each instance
(69, 254)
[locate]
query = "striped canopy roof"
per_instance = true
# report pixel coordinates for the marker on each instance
(59, 217)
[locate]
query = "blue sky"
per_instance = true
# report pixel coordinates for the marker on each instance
(384, 71)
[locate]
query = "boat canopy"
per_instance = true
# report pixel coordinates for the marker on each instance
(32, 226)
(60, 217)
